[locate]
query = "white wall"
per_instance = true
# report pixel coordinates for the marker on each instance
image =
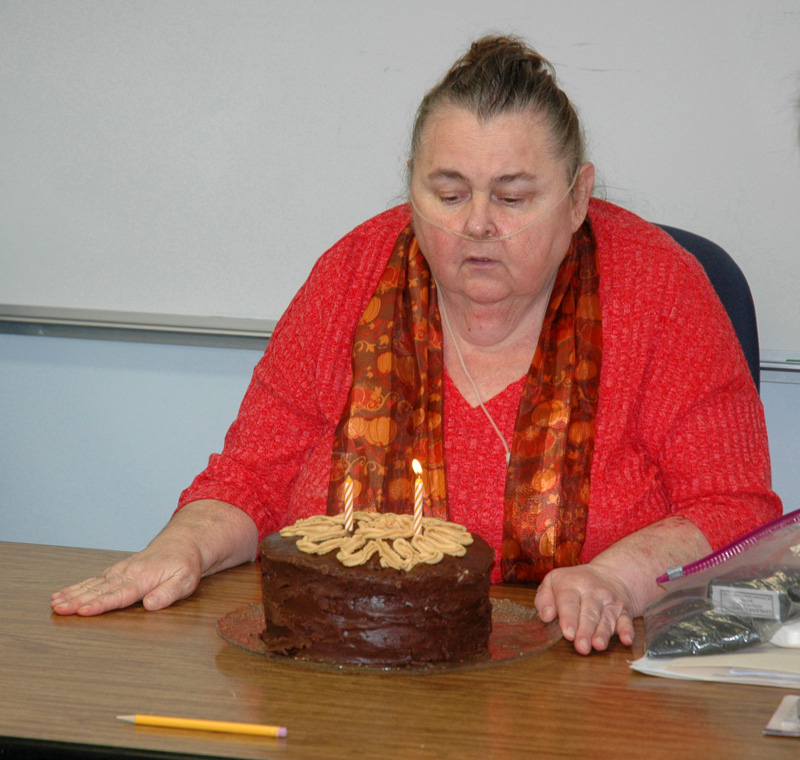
(782, 410)
(179, 156)
(98, 438)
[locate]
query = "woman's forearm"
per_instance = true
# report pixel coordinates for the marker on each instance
(641, 557)
(596, 600)
(225, 535)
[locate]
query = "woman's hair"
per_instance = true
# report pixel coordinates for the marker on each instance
(502, 74)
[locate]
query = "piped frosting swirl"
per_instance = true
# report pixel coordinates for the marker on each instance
(389, 535)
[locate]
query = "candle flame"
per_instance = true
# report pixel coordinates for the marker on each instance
(416, 466)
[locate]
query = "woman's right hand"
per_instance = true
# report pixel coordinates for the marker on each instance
(202, 538)
(158, 576)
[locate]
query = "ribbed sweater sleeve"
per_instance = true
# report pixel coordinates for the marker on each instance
(278, 450)
(680, 427)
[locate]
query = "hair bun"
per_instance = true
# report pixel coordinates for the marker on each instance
(503, 47)
(501, 74)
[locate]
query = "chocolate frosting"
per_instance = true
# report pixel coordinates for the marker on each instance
(319, 610)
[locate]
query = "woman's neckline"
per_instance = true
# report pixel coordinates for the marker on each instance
(490, 401)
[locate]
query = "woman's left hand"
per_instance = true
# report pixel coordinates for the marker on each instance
(591, 604)
(594, 601)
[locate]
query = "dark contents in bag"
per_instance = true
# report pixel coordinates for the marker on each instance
(693, 626)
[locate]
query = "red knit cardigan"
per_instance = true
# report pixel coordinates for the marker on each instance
(680, 427)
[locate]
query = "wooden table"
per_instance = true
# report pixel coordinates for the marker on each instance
(65, 679)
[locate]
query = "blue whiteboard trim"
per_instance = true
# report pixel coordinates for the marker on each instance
(175, 329)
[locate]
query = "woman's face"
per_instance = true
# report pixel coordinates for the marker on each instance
(474, 183)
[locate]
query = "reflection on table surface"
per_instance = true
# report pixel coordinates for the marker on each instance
(67, 678)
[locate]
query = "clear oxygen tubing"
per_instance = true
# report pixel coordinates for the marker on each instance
(443, 311)
(499, 238)
(449, 329)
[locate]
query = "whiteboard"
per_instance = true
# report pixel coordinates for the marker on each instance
(195, 158)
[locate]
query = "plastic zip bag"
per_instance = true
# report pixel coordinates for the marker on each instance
(736, 597)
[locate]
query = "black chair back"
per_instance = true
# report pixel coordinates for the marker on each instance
(732, 288)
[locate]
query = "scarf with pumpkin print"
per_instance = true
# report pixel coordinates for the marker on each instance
(394, 411)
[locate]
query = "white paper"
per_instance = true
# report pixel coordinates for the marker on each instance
(764, 665)
(786, 719)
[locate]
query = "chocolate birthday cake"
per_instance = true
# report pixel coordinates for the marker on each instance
(380, 596)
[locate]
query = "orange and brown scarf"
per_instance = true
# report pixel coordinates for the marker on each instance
(394, 412)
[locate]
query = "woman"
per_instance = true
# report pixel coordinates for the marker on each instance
(568, 363)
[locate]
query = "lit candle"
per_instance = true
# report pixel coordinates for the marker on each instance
(417, 498)
(348, 504)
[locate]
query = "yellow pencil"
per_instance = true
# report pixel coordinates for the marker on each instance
(228, 727)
